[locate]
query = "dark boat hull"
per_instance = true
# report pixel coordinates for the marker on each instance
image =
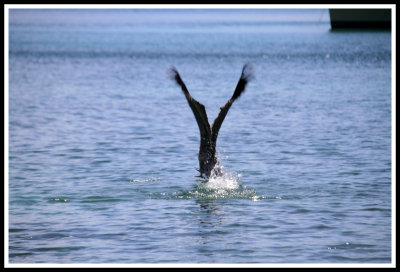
(360, 18)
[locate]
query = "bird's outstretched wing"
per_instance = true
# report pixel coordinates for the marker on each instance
(245, 77)
(198, 109)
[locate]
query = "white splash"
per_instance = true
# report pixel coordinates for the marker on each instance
(224, 183)
(221, 179)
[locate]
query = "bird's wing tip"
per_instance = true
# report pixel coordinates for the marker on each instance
(248, 71)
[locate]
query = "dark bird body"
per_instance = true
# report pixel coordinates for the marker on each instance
(209, 134)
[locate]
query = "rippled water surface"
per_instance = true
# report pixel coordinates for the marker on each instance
(103, 146)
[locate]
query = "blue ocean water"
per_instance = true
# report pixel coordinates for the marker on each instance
(103, 145)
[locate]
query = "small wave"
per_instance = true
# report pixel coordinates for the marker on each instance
(59, 249)
(348, 245)
(144, 180)
(58, 200)
(99, 198)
